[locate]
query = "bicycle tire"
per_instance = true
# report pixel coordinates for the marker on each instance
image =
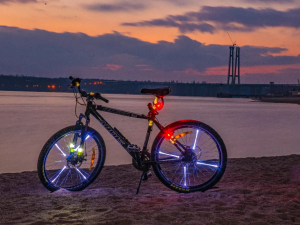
(162, 170)
(99, 156)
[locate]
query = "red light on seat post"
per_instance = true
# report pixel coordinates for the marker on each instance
(159, 105)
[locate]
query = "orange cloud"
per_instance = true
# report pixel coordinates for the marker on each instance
(112, 67)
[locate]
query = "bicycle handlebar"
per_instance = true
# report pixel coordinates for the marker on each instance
(76, 82)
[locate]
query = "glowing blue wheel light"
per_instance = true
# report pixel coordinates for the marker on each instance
(163, 153)
(59, 173)
(206, 164)
(60, 150)
(195, 139)
(81, 173)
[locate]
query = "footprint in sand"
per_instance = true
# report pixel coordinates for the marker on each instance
(103, 210)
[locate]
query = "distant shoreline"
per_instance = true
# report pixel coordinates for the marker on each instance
(290, 99)
(36, 84)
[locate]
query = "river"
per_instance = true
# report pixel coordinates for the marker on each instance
(248, 128)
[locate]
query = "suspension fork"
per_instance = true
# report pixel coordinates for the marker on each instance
(83, 130)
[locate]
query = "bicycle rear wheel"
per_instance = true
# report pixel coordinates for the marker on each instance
(199, 169)
(64, 164)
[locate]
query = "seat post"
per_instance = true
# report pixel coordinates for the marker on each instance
(155, 100)
(151, 111)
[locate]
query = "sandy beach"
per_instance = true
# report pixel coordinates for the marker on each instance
(253, 191)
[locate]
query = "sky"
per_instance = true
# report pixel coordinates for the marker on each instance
(157, 40)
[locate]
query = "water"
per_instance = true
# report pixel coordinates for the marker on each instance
(248, 128)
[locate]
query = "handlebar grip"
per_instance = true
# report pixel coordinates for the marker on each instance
(98, 96)
(104, 99)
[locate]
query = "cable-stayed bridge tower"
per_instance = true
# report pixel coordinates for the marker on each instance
(234, 65)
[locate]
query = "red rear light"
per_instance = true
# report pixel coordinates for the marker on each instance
(169, 135)
(159, 106)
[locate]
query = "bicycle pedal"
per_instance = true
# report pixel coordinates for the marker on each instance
(147, 176)
(133, 148)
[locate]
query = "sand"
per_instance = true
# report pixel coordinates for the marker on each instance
(253, 191)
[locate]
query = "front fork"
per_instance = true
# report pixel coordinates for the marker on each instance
(83, 135)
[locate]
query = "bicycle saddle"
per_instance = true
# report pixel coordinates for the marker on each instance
(159, 92)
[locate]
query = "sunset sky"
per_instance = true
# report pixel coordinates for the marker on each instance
(159, 40)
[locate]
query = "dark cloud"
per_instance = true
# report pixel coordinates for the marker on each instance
(191, 27)
(249, 16)
(115, 56)
(168, 22)
(131, 5)
(179, 2)
(183, 27)
(116, 7)
(156, 22)
(17, 1)
(226, 18)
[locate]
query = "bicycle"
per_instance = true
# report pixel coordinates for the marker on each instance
(186, 155)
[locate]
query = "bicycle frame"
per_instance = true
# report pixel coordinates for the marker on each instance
(92, 109)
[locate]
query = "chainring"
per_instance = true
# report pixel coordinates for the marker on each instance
(144, 166)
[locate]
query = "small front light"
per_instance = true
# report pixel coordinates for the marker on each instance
(72, 145)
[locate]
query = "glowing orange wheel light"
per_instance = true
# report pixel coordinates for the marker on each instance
(173, 139)
(93, 159)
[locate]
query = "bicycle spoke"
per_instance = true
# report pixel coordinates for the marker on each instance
(210, 150)
(54, 165)
(63, 181)
(184, 174)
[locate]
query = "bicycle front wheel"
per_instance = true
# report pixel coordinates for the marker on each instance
(65, 163)
(197, 168)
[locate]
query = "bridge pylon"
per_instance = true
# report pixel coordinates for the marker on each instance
(234, 65)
